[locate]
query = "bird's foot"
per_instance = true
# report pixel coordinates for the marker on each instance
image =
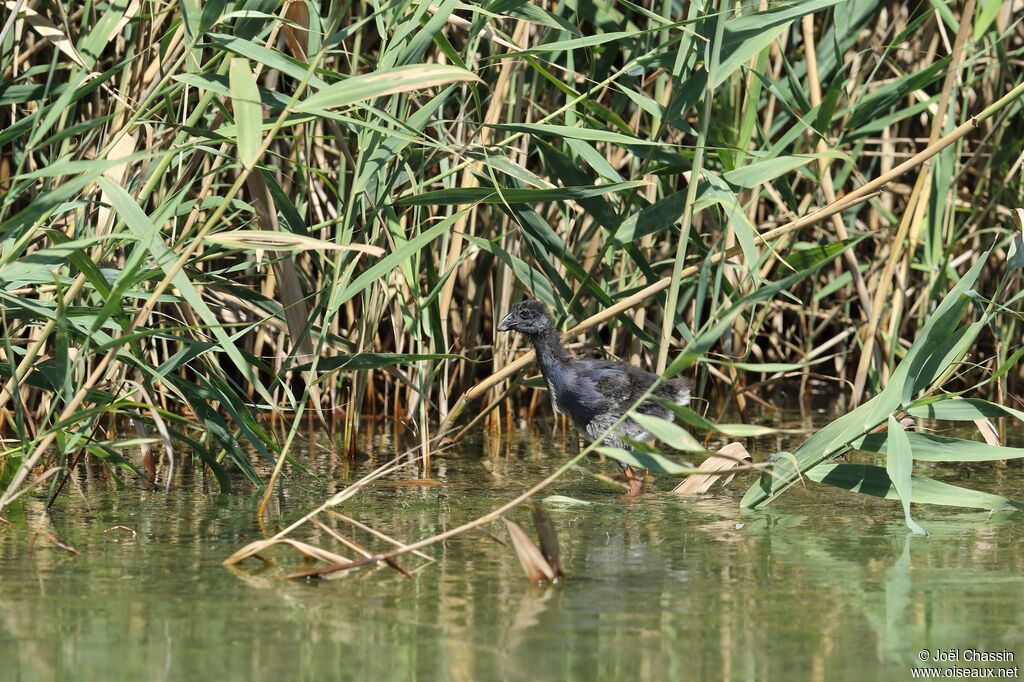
(634, 481)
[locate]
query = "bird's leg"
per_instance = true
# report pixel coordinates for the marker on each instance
(633, 480)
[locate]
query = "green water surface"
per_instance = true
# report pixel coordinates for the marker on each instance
(823, 585)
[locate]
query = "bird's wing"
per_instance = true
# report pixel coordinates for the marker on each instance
(614, 382)
(621, 385)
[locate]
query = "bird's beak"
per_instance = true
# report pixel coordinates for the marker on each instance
(506, 323)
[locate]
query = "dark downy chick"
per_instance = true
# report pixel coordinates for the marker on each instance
(594, 393)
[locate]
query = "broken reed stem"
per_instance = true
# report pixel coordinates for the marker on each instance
(862, 193)
(355, 546)
(376, 533)
(405, 459)
(493, 515)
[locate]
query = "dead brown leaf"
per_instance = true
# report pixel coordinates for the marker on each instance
(717, 465)
(533, 562)
(985, 426)
(297, 37)
(548, 538)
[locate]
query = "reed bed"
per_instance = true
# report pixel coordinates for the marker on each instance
(218, 213)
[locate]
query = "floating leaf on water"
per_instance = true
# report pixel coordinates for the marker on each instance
(564, 501)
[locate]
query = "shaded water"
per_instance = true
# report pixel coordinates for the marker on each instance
(824, 585)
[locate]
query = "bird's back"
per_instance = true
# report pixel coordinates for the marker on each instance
(611, 388)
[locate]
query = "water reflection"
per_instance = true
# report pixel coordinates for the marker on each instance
(822, 586)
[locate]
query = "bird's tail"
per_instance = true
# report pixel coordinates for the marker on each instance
(683, 392)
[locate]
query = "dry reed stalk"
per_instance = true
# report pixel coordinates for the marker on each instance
(824, 169)
(476, 523)
(726, 462)
(914, 210)
(469, 179)
(405, 459)
(367, 529)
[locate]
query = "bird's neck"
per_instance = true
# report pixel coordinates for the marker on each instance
(551, 356)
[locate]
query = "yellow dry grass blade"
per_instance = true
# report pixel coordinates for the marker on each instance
(255, 239)
(45, 28)
(123, 148)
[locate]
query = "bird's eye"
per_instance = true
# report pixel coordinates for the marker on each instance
(526, 313)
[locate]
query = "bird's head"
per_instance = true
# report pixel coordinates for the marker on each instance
(528, 317)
